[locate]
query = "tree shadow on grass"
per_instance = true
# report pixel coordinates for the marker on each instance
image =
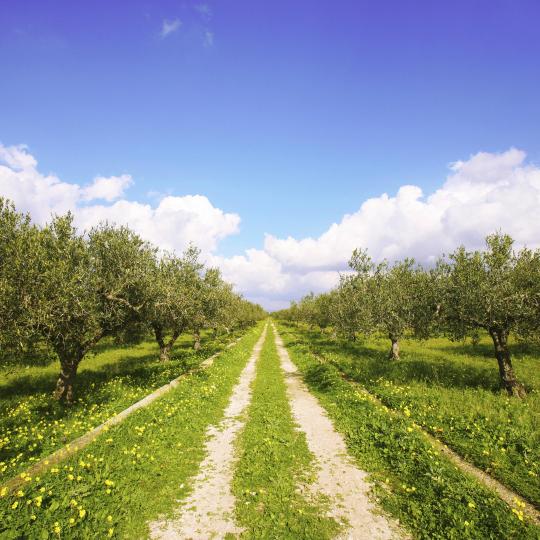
(366, 363)
(486, 350)
(136, 371)
(429, 372)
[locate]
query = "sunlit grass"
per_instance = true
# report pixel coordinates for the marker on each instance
(274, 463)
(414, 482)
(452, 390)
(133, 473)
(33, 424)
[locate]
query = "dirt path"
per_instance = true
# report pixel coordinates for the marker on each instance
(338, 478)
(209, 511)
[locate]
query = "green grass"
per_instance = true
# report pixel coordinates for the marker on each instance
(274, 461)
(135, 472)
(452, 390)
(426, 492)
(33, 424)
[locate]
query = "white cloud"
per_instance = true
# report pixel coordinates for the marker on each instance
(168, 27)
(17, 157)
(107, 188)
(171, 224)
(482, 194)
(485, 193)
(208, 38)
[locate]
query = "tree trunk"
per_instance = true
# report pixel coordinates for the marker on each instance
(66, 379)
(197, 337)
(506, 371)
(163, 352)
(394, 349)
(165, 348)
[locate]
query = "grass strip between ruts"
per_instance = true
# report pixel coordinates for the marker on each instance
(426, 492)
(275, 463)
(133, 473)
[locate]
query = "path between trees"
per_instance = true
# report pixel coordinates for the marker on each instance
(337, 477)
(209, 511)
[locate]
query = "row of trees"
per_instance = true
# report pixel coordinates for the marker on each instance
(69, 289)
(496, 290)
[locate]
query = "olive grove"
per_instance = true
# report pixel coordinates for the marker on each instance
(67, 290)
(495, 290)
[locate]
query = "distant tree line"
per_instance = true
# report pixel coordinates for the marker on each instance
(69, 289)
(496, 290)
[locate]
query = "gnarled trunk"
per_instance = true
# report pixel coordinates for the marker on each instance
(66, 379)
(506, 371)
(394, 349)
(197, 338)
(165, 347)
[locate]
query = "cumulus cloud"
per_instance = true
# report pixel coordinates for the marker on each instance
(486, 193)
(171, 224)
(169, 26)
(480, 195)
(107, 188)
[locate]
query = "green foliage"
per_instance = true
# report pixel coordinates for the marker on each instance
(19, 239)
(497, 290)
(66, 290)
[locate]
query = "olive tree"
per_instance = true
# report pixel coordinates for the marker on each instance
(495, 290)
(394, 297)
(88, 287)
(18, 275)
(352, 309)
(247, 313)
(175, 288)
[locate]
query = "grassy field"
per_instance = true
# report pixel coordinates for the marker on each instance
(452, 391)
(104, 490)
(33, 424)
(274, 461)
(413, 482)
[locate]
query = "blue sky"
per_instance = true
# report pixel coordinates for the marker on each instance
(289, 114)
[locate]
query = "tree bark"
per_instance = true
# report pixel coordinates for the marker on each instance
(165, 347)
(64, 385)
(506, 371)
(163, 353)
(197, 337)
(394, 349)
